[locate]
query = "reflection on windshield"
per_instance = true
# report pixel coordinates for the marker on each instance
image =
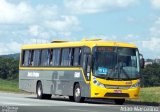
(116, 63)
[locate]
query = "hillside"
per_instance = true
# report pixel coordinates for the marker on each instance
(15, 56)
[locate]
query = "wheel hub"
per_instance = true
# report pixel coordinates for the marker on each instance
(77, 92)
(39, 91)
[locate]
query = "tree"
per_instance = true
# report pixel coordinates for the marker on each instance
(151, 75)
(8, 68)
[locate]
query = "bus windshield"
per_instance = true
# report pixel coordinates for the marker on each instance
(116, 63)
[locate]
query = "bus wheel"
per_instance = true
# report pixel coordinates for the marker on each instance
(40, 94)
(119, 101)
(39, 91)
(77, 94)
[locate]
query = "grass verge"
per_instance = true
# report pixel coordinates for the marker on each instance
(9, 85)
(148, 96)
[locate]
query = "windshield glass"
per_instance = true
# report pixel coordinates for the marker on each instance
(116, 63)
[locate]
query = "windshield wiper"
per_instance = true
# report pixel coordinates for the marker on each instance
(112, 72)
(125, 73)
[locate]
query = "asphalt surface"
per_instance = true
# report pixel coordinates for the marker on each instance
(11, 102)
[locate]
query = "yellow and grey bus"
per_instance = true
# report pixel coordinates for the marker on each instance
(86, 69)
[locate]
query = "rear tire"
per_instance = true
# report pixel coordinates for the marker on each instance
(77, 94)
(39, 92)
(119, 101)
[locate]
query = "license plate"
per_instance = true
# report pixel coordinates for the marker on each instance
(117, 91)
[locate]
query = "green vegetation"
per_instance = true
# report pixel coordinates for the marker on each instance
(9, 68)
(15, 56)
(9, 85)
(151, 94)
(151, 75)
(148, 96)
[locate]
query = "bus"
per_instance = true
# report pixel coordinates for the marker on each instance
(92, 68)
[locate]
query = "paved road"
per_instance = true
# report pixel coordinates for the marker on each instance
(29, 103)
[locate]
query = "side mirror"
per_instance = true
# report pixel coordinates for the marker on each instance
(142, 62)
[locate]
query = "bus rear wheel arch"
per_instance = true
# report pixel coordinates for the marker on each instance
(77, 93)
(39, 92)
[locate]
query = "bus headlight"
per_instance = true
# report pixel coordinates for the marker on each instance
(97, 83)
(136, 85)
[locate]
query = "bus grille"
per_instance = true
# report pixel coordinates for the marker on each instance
(117, 86)
(117, 95)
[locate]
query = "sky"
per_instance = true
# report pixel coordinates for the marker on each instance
(42, 21)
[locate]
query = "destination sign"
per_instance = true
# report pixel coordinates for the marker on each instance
(107, 49)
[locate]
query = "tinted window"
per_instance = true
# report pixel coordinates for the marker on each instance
(71, 56)
(23, 58)
(65, 57)
(50, 56)
(55, 57)
(31, 55)
(77, 57)
(44, 57)
(36, 57)
(26, 58)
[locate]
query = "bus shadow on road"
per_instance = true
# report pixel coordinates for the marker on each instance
(99, 101)
(88, 101)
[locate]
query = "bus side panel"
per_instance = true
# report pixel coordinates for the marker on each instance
(26, 83)
(28, 80)
(65, 80)
(53, 82)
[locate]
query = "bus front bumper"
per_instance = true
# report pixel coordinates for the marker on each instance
(131, 93)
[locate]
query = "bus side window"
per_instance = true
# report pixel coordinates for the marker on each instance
(50, 56)
(77, 57)
(23, 58)
(44, 57)
(26, 58)
(65, 57)
(56, 57)
(31, 54)
(71, 56)
(36, 57)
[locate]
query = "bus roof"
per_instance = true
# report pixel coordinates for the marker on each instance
(89, 43)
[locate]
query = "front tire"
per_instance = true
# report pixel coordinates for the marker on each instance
(40, 94)
(77, 94)
(119, 101)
